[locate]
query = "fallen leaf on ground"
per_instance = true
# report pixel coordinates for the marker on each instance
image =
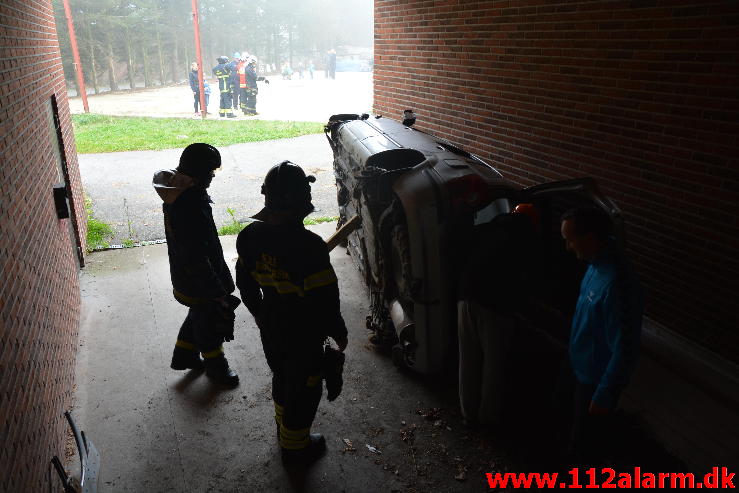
(372, 449)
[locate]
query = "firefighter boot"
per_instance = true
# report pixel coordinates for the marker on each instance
(186, 359)
(218, 370)
(305, 456)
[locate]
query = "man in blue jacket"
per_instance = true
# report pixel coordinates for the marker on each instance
(201, 279)
(605, 336)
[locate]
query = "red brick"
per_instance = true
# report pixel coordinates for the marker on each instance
(38, 266)
(641, 95)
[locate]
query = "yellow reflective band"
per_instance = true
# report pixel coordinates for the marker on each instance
(294, 434)
(283, 287)
(294, 439)
(320, 279)
(313, 380)
(294, 444)
(188, 300)
(279, 410)
(214, 354)
(185, 345)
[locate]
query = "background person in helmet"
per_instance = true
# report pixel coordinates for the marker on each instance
(241, 81)
(234, 80)
(490, 292)
(200, 277)
(289, 286)
(251, 87)
(223, 73)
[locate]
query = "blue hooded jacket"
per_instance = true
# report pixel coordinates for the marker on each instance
(606, 327)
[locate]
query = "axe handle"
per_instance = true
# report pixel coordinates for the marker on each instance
(343, 232)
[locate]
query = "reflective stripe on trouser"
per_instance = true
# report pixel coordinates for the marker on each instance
(279, 411)
(296, 391)
(225, 107)
(242, 91)
(196, 333)
(251, 100)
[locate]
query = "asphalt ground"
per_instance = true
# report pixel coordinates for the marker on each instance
(119, 183)
(306, 99)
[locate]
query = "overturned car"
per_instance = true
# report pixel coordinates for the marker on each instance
(418, 198)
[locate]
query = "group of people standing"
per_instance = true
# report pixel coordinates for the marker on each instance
(237, 85)
(285, 279)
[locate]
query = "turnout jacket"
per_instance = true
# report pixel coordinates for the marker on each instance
(289, 286)
(251, 77)
(196, 263)
(223, 72)
(241, 74)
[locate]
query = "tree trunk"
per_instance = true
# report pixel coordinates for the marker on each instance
(290, 44)
(111, 65)
(173, 58)
(129, 61)
(162, 81)
(93, 65)
(145, 57)
(186, 65)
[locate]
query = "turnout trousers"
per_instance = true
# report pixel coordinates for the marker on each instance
(251, 101)
(197, 335)
(225, 108)
(297, 385)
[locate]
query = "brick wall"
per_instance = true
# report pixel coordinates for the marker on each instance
(643, 95)
(39, 292)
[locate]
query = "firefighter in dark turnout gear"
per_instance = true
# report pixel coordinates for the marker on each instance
(201, 279)
(234, 80)
(223, 72)
(289, 286)
(241, 82)
(251, 88)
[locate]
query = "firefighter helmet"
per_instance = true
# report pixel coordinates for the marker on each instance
(222, 59)
(286, 187)
(198, 160)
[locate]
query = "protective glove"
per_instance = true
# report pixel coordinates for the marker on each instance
(333, 368)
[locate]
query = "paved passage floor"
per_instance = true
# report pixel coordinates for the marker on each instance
(159, 430)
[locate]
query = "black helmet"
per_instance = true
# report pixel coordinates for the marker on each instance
(222, 59)
(198, 160)
(286, 187)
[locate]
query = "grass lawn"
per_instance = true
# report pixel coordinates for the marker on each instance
(234, 227)
(102, 133)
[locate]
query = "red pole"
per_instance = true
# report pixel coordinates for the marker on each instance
(199, 56)
(76, 55)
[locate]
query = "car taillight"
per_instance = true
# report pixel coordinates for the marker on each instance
(469, 192)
